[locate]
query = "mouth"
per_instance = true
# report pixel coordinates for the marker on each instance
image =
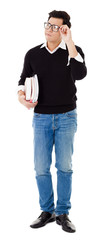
(48, 34)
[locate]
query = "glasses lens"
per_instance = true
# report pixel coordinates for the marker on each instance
(55, 28)
(46, 25)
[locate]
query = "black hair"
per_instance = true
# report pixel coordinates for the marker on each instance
(61, 14)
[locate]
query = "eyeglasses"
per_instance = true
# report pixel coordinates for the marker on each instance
(54, 27)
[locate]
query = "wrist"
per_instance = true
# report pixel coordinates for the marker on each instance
(70, 42)
(72, 49)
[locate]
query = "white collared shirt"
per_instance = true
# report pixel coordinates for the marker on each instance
(63, 46)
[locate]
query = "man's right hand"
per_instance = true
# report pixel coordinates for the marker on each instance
(26, 103)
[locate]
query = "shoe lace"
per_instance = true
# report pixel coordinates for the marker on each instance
(64, 217)
(43, 215)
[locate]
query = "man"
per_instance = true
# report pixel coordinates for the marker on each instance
(58, 63)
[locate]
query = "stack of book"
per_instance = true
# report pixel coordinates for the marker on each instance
(32, 88)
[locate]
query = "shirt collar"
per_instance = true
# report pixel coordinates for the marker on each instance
(61, 45)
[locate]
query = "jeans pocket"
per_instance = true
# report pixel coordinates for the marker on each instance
(35, 117)
(72, 118)
(72, 113)
(36, 114)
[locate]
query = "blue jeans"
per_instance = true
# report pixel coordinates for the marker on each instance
(50, 129)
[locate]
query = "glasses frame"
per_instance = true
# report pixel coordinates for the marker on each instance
(51, 25)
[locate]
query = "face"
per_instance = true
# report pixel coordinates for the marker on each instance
(50, 35)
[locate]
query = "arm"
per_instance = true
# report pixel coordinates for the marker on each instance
(26, 72)
(78, 68)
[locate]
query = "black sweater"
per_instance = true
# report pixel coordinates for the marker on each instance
(57, 90)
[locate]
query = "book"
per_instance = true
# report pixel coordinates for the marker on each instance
(32, 88)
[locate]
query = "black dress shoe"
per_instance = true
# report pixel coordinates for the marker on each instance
(67, 225)
(43, 219)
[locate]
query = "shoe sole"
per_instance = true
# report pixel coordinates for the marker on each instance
(49, 221)
(70, 231)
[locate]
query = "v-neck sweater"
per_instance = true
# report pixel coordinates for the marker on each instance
(56, 78)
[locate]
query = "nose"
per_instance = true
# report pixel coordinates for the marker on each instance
(50, 29)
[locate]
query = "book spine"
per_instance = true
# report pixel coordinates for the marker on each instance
(32, 88)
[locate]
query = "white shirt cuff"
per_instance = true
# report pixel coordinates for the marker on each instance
(21, 87)
(79, 58)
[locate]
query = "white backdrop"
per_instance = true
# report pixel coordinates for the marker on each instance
(22, 28)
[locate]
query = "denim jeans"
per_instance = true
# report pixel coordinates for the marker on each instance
(59, 130)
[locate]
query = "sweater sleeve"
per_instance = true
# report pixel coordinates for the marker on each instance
(26, 71)
(78, 69)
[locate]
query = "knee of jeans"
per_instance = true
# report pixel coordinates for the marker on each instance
(41, 171)
(64, 168)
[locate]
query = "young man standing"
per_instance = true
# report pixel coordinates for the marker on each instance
(58, 63)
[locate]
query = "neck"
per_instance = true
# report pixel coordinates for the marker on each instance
(52, 45)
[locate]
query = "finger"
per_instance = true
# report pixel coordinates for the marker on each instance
(63, 30)
(63, 27)
(32, 104)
